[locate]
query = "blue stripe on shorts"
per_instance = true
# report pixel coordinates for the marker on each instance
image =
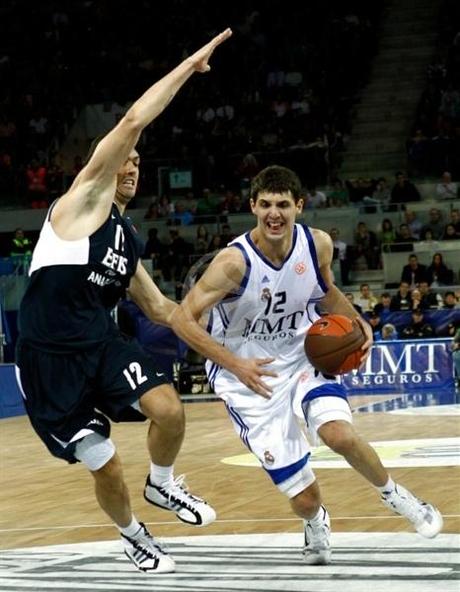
(280, 475)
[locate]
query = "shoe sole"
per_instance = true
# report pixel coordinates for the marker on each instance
(198, 523)
(149, 570)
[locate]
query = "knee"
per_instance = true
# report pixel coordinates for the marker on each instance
(339, 436)
(164, 408)
(111, 471)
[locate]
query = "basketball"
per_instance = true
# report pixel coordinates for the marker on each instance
(333, 344)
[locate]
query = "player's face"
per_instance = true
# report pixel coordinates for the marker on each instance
(276, 213)
(128, 177)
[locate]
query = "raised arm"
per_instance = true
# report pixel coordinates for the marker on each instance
(222, 277)
(87, 203)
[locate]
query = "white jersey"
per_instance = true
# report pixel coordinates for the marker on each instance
(271, 313)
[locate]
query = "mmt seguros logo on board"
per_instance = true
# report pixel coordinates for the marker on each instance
(405, 364)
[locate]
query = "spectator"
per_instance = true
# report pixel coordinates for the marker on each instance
(177, 257)
(165, 207)
(429, 298)
(315, 199)
(450, 301)
(416, 296)
(201, 240)
(152, 212)
(340, 253)
(434, 224)
(338, 196)
(413, 223)
(417, 328)
(438, 274)
(37, 189)
(351, 298)
(359, 188)
(366, 246)
(20, 244)
(389, 332)
(215, 243)
(414, 272)
(446, 189)
(207, 205)
(387, 235)
(450, 233)
(456, 355)
(182, 216)
(403, 190)
(404, 240)
(402, 299)
(383, 308)
(226, 235)
(154, 249)
(375, 322)
(455, 219)
(366, 300)
(381, 193)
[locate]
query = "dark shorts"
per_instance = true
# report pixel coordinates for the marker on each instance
(68, 396)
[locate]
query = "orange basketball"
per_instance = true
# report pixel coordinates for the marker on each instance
(333, 344)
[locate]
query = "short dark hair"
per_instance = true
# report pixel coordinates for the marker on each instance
(276, 179)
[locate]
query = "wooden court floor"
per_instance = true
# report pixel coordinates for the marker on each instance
(44, 501)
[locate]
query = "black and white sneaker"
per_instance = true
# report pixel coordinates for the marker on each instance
(146, 554)
(317, 549)
(426, 519)
(175, 497)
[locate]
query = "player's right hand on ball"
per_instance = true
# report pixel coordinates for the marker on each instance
(250, 373)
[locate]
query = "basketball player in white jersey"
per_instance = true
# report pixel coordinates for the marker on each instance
(262, 292)
(72, 361)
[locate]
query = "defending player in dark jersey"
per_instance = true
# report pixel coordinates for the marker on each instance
(73, 366)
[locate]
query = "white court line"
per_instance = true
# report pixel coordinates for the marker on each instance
(244, 520)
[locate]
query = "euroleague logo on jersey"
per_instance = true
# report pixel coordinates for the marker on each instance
(300, 268)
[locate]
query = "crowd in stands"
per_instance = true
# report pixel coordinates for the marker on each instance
(434, 146)
(420, 300)
(266, 95)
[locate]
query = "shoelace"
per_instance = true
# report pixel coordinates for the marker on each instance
(148, 542)
(179, 489)
(317, 535)
(412, 508)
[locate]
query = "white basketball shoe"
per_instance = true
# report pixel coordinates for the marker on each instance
(427, 519)
(175, 497)
(317, 549)
(146, 554)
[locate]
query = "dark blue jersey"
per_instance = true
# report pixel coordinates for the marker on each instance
(74, 285)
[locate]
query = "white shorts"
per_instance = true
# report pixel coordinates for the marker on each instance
(276, 430)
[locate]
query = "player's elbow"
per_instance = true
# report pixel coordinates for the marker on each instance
(132, 123)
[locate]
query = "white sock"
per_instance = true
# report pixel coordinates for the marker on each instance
(317, 520)
(132, 529)
(161, 476)
(388, 488)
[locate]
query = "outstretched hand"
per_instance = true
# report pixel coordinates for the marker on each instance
(201, 57)
(250, 373)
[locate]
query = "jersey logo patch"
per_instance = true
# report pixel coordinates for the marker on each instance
(265, 279)
(268, 457)
(266, 294)
(300, 268)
